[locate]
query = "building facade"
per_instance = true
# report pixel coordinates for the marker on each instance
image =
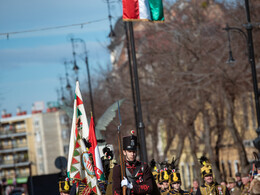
(30, 144)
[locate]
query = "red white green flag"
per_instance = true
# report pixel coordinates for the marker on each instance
(149, 10)
(95, 151)
(79, 166)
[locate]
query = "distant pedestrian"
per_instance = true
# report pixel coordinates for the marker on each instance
(239, 181)
(195, 186)
(232, 186)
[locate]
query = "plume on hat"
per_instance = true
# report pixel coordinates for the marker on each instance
(152, 163)
(173, 165)
(206, 166)
(164, 171)
(204, 160)
(87, 143)
(108, 153)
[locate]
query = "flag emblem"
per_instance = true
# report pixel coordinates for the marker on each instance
(88, 164)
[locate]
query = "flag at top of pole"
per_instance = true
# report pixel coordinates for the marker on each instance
(79, 166)
(146, 10)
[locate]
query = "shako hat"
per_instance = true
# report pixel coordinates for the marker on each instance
(175, 176)
(206, 169)
(130, 142)
(64, 185)
(154, 170)
(164, 172)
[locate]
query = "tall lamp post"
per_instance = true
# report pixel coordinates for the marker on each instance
(68, 86)
(73, 40)
(251, 58)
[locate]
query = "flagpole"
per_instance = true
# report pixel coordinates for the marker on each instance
(131, 78)
(140, 116)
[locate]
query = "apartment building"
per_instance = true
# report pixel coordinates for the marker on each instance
(30, 143)
(16, 152)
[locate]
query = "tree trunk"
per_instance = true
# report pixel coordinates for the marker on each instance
(235, 134)
(208, 144)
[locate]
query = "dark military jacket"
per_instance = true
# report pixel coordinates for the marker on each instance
(139, 174)
(164, 191)
(180, 192)
(213, 189)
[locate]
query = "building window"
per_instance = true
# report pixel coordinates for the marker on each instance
(41, 168)
(188, 175)
(252, 105)
(65, 133)
(183, 175)
(66, 149)
(63, 119)
(39, 151)
(38, 136)
(248, 143)
(230, 168)
(19, 125)
(245, 113)
(6, 143)
(36, 122)
(223, 170)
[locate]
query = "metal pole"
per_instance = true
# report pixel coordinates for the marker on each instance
(131, 77)
(140, 117)
(31, 179)
(74, 57)
(88, 74)
(90, 89)
(251, 58)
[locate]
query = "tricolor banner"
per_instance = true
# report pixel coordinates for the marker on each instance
(95, 151)
(148, 10)
(79, 166)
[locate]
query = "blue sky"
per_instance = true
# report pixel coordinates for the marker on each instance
(31, 63)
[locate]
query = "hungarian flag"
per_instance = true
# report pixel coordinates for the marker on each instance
(149, 10)
(79, 166)
(95, 151)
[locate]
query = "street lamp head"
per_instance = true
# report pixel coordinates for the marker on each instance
(62, 98)
(68, 87)
(75, 67)
(112, 34)
(230, 60)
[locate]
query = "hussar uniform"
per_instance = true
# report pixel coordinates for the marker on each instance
(155, 171)
(138, 174)
(212, 188)
(174, 178)
(164, 177)
(108, 165)
(64, 185)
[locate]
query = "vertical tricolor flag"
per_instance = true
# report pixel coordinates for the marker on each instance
(150, 10)
(95, 151)
(79, 167)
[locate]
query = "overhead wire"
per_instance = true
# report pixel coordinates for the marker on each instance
(7, 34)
